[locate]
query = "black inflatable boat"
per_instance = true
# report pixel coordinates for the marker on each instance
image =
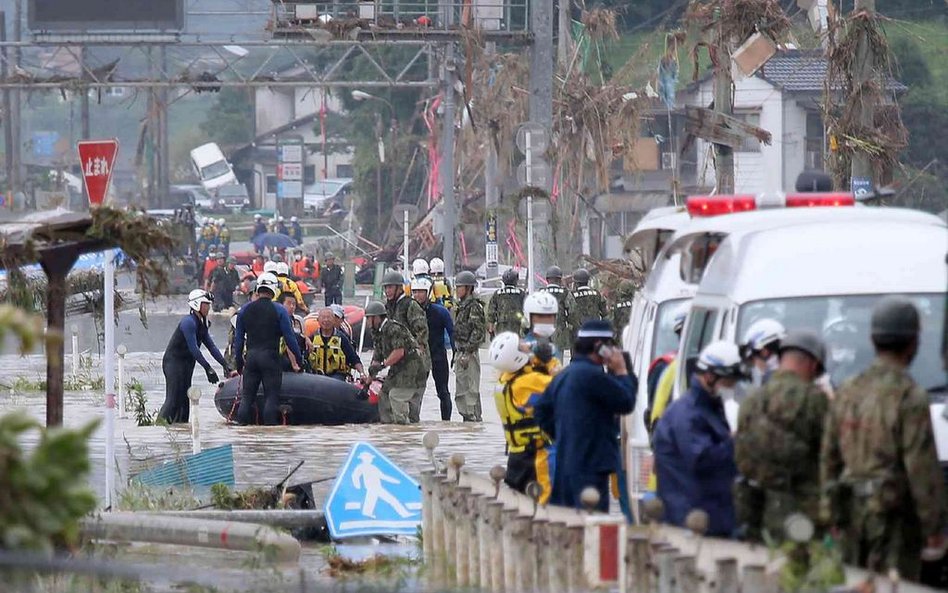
(306, 399)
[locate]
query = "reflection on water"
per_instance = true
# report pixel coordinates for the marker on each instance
(262, 455)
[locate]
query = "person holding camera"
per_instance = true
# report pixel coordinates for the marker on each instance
(580, 411)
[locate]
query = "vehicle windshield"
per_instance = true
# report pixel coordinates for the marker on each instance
(843, 321)
(323, 188)
(232, 191)
(215, 170)
(664, 339)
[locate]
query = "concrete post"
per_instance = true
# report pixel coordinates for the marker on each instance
(75, 351)
(450, 530)
(686, 576)
(427, 527)
(576, 579)
(498, 559)
(541, 543)
(485, 541)
(541, 102)
(727, 575)
(861, 165)
(665, 563)
(436, 561)
(637, 563)
(525, 554)
(558, 535)
(474, 544)
(723, 103)
(753, 579)
(447, 161)
(509, 544)
(463, 535)
(194, 394)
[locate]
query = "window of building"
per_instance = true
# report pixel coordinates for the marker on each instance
(750, 117)
(271, 184)
(344, 171)
(309, 174)
(814, 141)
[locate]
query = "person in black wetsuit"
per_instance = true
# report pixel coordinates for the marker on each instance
(181, 354)
(262, 323)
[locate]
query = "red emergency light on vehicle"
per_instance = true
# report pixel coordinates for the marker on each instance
(729, 204)
(717, 205)
(809, 200)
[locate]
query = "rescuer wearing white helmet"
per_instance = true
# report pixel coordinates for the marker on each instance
(441, 291)
(760, 348)
(419, 268)
(693, 447)
(260, 324)
(440, 336)
(183, 352)
(287, 285)
(539, 318)
(521, 384)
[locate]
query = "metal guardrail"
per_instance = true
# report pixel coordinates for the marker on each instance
(504, 16)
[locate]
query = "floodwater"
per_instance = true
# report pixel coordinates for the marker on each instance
(262, 455)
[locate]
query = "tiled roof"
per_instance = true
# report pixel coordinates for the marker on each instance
(803, 71)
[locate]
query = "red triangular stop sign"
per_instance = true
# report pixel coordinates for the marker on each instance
(97, 158)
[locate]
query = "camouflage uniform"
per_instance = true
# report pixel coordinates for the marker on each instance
(410, 314)
(622, 309)
(563, 337)
(470, 329)
(777, 450)
(587, 304)
(505, 310)
(880, 471)
(400, 392)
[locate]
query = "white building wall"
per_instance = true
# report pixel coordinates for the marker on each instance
(272, 109)
(794, 142)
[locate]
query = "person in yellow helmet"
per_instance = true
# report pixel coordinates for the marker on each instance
(523, 379)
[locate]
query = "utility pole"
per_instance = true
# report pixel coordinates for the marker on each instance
(861, 172)
(541, 103)
(164, 152)
(563, 47)
(491, 195)
(16, 123)
(723, 103)
(84, 103)
(447, 161)
(7, 109)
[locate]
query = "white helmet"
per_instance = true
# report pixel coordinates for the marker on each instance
(436, 266)
(280, 219)
(282, 268)
(294, 219)
(421, 284)
(198, 297)
(269, 281)
(540, 303)
(721, 358)
(270, 266)
(220, 221)
(419, 266)
(505, 354)
(761, 334)
(257, 217)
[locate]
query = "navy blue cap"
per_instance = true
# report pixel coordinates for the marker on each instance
(595, 328)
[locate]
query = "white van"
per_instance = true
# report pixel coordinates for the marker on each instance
(826, 276)
(211, 167)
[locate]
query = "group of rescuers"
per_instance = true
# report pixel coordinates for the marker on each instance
(859, 464)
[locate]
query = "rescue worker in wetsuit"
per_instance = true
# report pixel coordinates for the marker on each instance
(261, 324)
(333, 354)
(523, 380)
(183, 352)
(287, 285)
(504, 311)
(439, 325)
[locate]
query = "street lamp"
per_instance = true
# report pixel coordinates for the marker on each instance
(360, 96)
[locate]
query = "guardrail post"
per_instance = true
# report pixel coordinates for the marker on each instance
(557, 556)
(576, 580)
(427, 496)
(194, 394)
(450, 530)
(438, 560)
(727, 576)
(498, 559)
(462, 535)
(75, 351)
(753, 579)
(686, 576)
(637, 578)
(121, 351)
(541, 543)
(665, 565)
(474, 540)
(525, 554)
(510, 550)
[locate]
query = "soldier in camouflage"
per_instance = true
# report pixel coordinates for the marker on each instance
(882, 483)
(563, 337)
(396, 350)
(777, 445)
(622, 308)
(587, 302)
(409, 313)
(470, 329)
(504, 312)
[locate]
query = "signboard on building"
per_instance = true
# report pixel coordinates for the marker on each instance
(100, 16)
(290, 162)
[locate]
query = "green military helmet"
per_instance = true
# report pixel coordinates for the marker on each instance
(554, 272)
(894, 317)
(276, 258)
(805, 341)
(392, 278)
(465, 278)
(626, 289)
(581, 276)
(232, 260)
(375, 309)
(511, 277)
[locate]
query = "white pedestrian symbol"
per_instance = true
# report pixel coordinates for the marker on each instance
(369, 477)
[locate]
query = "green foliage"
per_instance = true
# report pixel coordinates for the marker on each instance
(137, 497)
(397, 177)
(228, 120)
(812, 567)
(251, 498)
(44, 494)
(135, 395)
(23, 384)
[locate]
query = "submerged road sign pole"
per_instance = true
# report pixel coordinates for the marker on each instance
(97, 158)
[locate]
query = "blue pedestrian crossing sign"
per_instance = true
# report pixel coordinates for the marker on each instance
(372, 496)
